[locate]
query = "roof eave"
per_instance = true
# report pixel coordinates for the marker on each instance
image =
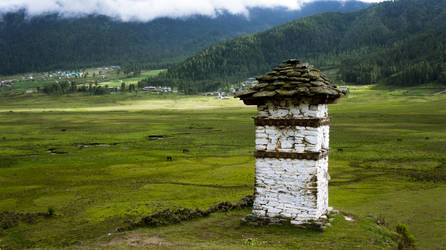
(315, 99)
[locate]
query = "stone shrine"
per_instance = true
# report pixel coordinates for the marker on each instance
(292, 143)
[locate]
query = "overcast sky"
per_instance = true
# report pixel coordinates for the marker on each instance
(145, 10)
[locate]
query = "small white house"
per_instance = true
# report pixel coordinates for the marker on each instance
(150, 89)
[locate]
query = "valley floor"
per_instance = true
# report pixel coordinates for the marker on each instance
(100, 162)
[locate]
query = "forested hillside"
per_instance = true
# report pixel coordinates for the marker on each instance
(396, 42)
(53, 42)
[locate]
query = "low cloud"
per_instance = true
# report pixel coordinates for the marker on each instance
(145, 10)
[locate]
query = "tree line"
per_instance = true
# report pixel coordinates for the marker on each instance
(68, 87)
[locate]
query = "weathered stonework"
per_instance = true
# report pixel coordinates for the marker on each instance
(291, 108)
(292, 144)
(292, 188)
(292, 139)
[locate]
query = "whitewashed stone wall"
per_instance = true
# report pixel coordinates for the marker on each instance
(291, 188)
(295, 139)
(288, 109)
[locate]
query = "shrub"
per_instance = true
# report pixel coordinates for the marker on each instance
(51, 211)
(406, 240)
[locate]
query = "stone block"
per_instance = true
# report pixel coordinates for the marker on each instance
(260, 129)
(304, 108)
(299, 148)
(282, 113)
(273, 210)
(312, 139)
(285, 150)
(289, 133)
(271, 147)
(261, 135)
(295, 113)
(260, 213)
(261, 141)
(287, 143)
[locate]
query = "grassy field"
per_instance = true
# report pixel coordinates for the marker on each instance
(90, 159)
(133, 80)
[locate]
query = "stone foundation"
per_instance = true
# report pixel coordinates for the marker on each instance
(321, 224)
(293, 189)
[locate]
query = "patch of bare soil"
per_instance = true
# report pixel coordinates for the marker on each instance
(139, 239)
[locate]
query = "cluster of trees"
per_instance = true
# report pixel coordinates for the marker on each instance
(131, 69)
(396, 42)
(48, 42)
(408, 74)
(187, 86)
(423, 72)
(67, 87)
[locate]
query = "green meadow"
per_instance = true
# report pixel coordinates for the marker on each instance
(100, 163)
(116, 82)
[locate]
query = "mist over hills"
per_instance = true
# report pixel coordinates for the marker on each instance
(49, 42)
(397, 42)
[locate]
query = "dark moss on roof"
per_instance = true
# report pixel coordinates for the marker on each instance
(292, 79)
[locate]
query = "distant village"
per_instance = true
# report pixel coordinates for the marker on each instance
(6, 84)
(159, 90)
(224, 95)
(101, 77)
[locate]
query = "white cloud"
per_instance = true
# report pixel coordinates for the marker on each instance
(145, 10)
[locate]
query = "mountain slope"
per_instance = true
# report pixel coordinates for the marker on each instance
(417, 60)
(52, 42)
(373, 44)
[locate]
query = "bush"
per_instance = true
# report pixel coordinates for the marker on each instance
(51, 211)
(406, 240)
